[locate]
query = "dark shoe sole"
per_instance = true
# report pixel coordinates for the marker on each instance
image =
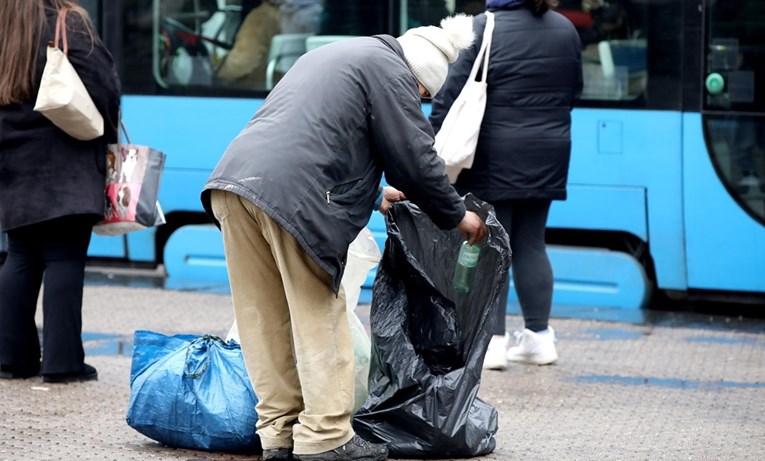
(63, 378)
(313, 458)
(9, 372)
(69, 379)
(279, 454)
(16, 375)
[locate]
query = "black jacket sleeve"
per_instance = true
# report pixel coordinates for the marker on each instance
(457, 76)
(96, 68)
(403, 139)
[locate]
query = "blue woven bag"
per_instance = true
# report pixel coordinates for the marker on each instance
(192, 392)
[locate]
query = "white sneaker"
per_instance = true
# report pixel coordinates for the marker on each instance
(534, 348)
(496, 354)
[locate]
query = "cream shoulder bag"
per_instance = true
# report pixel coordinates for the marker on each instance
(62, 97)
(457, 139)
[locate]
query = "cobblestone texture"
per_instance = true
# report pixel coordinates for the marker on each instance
(619, 392)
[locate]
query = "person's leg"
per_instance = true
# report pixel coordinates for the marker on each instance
(323, 346)
(20, 280)
(320, 365)
(65, 251)
(533, 278)
(263, 320)
(532, 272)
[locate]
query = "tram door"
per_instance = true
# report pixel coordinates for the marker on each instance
(724, 163)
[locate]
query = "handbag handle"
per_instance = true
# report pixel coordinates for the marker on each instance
(61, 30)
(122, 129)
(483, 53)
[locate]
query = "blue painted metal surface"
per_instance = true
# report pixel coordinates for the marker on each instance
(609, 208)
(725, 246)
(650, 158)
(583, 276)
(193, 133)
(595, 277)
(196, 253)
(646, 173)
(107, 246)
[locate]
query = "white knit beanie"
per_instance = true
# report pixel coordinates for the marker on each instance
(429, 50)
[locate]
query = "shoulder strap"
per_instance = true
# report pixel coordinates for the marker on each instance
(482, 58)
(61, 30)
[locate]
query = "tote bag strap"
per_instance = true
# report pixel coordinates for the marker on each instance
(482, 58)
(61, 30)
(488, 33)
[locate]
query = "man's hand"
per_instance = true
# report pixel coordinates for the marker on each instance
(390, 196)
(472, 228)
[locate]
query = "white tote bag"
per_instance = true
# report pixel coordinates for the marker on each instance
(457, 139)
(62, 97)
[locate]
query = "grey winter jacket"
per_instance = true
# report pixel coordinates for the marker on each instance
(313, 155)
(45, 173)
(535, 75)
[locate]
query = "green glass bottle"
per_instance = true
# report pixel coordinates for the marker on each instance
(465, 269)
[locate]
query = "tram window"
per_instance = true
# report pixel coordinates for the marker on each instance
(614, 47)
(734, 99)
(736, 56)
(137, 47)
(229, 46)
(232, 46)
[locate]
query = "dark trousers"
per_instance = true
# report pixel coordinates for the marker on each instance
(525, 221)
(52, 254)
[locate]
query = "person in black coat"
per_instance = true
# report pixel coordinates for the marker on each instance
(521, 161)
(51, 191)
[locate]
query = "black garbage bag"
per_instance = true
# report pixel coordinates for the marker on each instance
(428, 342)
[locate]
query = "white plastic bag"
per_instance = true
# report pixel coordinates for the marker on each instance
(457, 139)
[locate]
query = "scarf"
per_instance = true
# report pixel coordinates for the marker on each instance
(503, 4)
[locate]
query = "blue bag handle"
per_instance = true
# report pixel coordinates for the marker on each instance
(197, 344)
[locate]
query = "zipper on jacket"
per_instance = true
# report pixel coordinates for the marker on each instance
(328, 201)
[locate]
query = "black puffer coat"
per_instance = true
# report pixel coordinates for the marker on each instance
(535, 75)
(313, 155)
(45, 173)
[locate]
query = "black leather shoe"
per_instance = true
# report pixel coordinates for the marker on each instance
(13, 372)
(278, 454)
(356, 449)
(88, 373)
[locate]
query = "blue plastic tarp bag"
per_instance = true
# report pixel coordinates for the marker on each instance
(192, 392)
(428, 341)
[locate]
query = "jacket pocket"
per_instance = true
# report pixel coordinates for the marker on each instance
(344, 193)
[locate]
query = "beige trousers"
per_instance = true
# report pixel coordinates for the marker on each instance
(294, 332)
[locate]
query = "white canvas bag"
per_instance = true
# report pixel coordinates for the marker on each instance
(62, 96)
(457, 139)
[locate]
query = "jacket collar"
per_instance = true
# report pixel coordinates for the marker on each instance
(392, 43)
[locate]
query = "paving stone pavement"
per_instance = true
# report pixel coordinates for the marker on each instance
(620, 391)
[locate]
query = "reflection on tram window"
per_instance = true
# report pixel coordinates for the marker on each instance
(736, 54)
(244, 65)
(734, 89)
(251, 44)
(216, 46)
(738, 144)
(614, 60)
